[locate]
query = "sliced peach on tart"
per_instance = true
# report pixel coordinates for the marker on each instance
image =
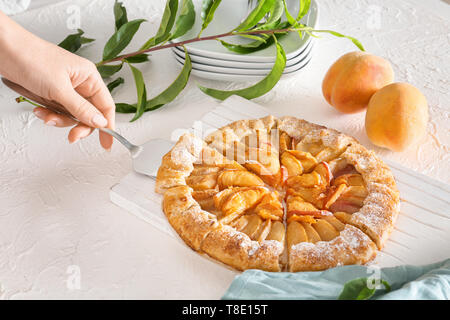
(277, 232)
(295, 234)
(325, 230)
(292, 164)
(238, 178)
(270, 207)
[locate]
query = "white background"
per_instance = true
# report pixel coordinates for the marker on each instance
(54, 206)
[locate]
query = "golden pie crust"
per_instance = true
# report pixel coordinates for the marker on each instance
(305, 198)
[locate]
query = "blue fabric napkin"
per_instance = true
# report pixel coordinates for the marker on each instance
(407, 282)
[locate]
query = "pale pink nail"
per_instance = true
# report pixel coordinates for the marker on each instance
(39, 113)
(99, 120)
(51, 123)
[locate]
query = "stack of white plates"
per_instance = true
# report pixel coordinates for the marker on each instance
(211, 60)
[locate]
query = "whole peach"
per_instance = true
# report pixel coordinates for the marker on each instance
(397, 116)
(353, 79)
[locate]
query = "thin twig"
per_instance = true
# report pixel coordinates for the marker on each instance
(223, 35)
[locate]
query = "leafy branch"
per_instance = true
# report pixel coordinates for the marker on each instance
(264, 26)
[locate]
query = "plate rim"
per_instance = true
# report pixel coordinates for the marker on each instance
(241, 77)
(263, 71)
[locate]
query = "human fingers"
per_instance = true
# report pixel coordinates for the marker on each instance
(53, 119)
(78, 132)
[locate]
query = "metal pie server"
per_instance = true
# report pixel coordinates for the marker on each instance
(146, 158)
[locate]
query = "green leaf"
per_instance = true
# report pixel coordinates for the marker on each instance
(84, 40)
(167, 21)
(357, 289)
(120, 14)
(120, 39)
(107, 71)
(387, 286)
(167, 95)
(256, 37)
(289, 17)
(115, 83)
(263, 7)
(125, 108)
(265, 41)
(275, 15)
(340, 35)
(143, 57)
(209, 7)
(141, 92)
(250, 47)
(261, 87)
(174, 89)
(73, 42)
(185, 20)
(304, 8)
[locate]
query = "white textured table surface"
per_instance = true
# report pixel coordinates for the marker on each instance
(55, 214)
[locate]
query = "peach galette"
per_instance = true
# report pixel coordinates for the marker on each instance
(278, 194)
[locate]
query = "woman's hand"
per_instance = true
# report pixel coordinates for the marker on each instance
(56, 74)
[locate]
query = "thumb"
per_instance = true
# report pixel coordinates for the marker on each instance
(82, 109)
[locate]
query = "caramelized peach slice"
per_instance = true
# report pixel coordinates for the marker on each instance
(295, 234)
(328, 154)
(308, 180)
(338, 225)
(205, 198)
(229, 218)
(238, 178)
(265, 163)
(285, 142)
(324, 171)
(334, 194)
(343, 216)
(240, 223)
(276, 232)
(232, 165)
(314, 195)
(356, 191)
(242, 200)
(203, 182)
(311, 147)
(254, 223)
(270, 207)
(325, 230)
(299, 204)
(306, 159)
(352, 179)
(292, 164)
(315, 214)
(263, 231)
(337, 165)
(311, 233)
(220, 197)
(301, 218)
